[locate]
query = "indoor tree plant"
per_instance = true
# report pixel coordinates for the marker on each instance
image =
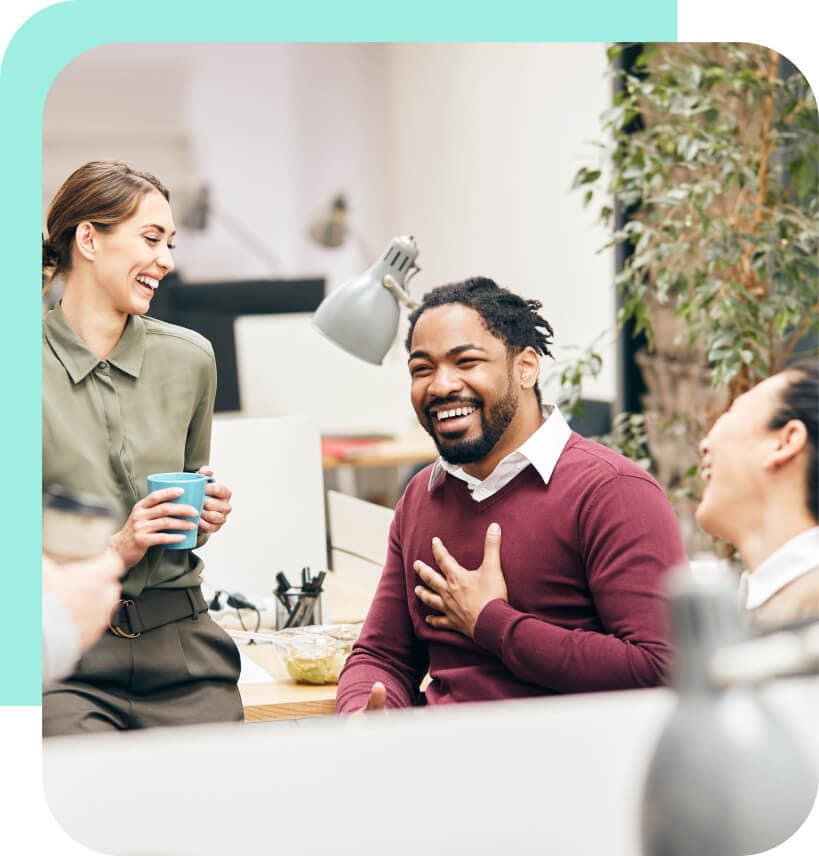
(708, 175)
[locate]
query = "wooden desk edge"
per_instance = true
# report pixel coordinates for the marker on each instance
(289, 710)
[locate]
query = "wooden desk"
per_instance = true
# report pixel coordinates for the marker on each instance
(282, 698)
(344, 458)
(408, 449)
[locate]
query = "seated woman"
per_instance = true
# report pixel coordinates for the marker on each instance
(759, 469)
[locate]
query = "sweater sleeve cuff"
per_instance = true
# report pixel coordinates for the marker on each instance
(492, 624)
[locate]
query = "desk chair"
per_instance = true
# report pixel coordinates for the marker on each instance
(359, 535)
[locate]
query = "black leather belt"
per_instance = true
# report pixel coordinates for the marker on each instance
(153, 608)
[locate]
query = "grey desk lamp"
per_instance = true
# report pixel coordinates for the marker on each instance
(727, 777)
(361, 316)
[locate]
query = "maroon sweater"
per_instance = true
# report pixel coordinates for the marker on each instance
(583, 558)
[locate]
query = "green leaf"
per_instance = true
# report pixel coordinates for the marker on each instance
(585, 176)
(803, 175)
(613, 52)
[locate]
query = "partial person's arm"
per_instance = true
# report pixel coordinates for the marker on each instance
(387, 650)
(78, 598)
(61, 641)
(630, 537)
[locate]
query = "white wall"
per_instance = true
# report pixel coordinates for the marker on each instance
(469, 147)
(123, 102)
(273, 129)
(485, 140)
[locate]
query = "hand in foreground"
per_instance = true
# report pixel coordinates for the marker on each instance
(88, 591)
(217, 504)
(377, 700)
(148, 517)
(458, 594)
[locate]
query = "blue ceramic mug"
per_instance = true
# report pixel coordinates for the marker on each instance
(193, 486)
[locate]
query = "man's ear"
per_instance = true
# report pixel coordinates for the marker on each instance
(789, 441)
(84, 240)
(528, 367)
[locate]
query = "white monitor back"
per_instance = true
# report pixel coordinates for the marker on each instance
(273, 467)
(318, 380)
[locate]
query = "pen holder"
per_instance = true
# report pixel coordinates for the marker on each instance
(298, 606)
(303, 608)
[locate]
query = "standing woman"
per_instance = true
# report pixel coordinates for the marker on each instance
(124, 396)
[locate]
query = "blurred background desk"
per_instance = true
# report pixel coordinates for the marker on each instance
(343, 457)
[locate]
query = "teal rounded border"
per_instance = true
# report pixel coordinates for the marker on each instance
(45, 44)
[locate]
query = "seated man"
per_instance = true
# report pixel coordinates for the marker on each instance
(526, 560)
(760, 473)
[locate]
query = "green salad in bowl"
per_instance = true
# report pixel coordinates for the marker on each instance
(315, 655)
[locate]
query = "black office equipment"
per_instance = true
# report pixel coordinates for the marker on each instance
(210, 308)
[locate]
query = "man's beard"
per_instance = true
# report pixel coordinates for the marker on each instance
(493, 426)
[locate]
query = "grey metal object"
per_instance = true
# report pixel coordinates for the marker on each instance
(727, 778)
(362, 315)
(330, 229)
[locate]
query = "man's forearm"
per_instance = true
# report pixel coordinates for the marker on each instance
(568, 661)
(358, 677)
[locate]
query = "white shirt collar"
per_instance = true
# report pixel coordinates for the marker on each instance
(793, 559)
(542, 450)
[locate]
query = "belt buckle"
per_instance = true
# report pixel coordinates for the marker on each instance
(116, 629)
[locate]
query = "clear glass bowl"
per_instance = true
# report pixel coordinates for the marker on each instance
(315, 654)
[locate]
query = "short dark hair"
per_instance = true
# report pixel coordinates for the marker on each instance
(800, 400)
(512, 319)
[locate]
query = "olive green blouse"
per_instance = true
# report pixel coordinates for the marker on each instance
(108, 424)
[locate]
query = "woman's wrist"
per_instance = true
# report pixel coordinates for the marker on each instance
(117, 544)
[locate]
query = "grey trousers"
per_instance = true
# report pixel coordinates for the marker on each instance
(181, 673)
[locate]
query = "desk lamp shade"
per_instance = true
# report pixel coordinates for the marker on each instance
(362, 315)
(727, 777)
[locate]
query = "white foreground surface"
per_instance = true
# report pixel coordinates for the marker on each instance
(560, 775)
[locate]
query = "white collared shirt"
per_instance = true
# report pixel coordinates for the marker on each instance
(542, 450)
(793, 559)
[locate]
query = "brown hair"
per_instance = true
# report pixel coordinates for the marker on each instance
(103, 192)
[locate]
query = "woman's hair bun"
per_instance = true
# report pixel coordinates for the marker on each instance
(51, 257)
